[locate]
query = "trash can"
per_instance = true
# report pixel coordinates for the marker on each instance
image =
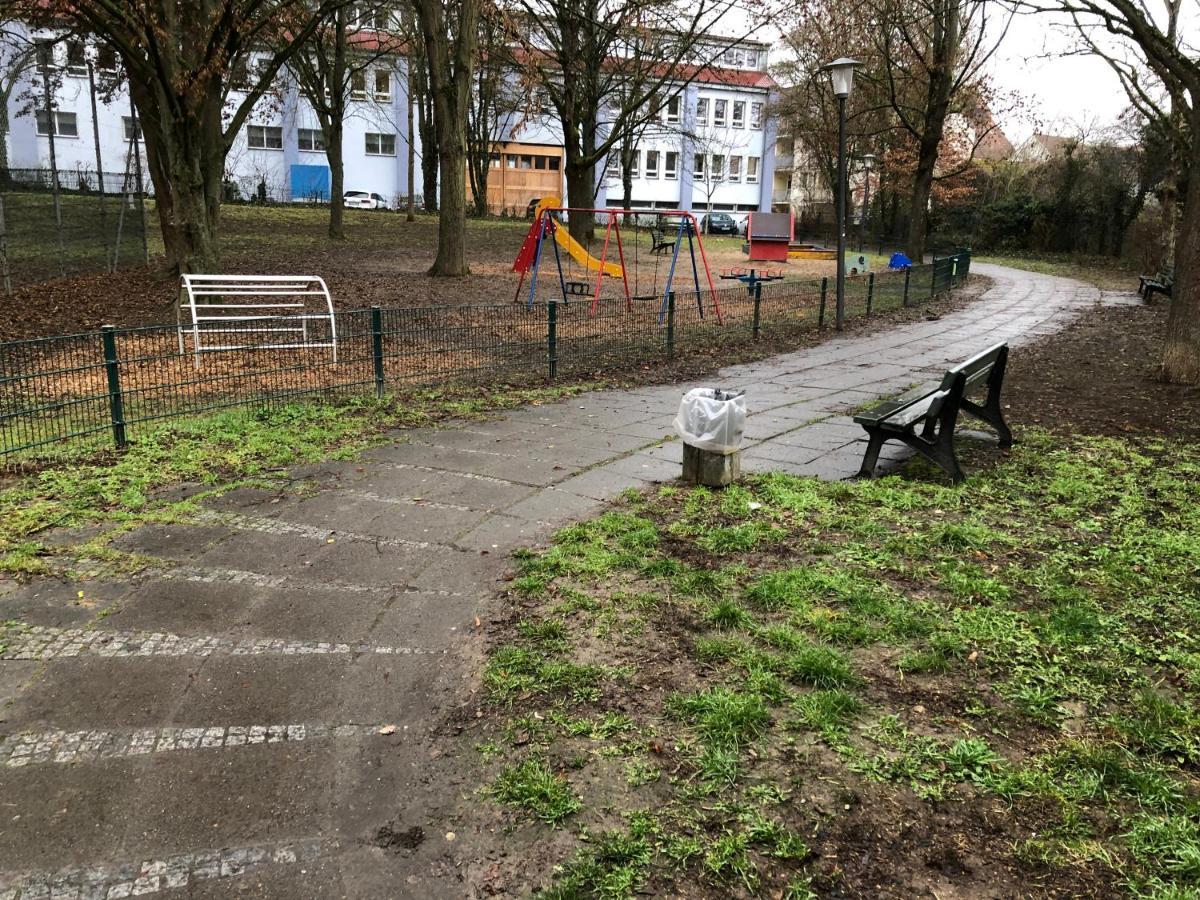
(711, 422)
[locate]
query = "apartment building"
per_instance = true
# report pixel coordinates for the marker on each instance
(710, 145)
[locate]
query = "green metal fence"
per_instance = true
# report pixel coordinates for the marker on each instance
(103, 387)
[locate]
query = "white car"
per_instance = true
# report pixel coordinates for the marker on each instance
(363, 200)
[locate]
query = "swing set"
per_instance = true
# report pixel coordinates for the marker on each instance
(548, 223)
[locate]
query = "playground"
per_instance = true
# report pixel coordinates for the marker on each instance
(382, 261)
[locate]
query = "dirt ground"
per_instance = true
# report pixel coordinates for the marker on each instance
(383, 261)
(1100, 376)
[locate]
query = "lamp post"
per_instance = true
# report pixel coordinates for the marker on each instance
(868, 161)
(841, 73)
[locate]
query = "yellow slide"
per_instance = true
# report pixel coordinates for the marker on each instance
(573, 247)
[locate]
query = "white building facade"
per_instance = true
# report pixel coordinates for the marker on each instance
(710, 147)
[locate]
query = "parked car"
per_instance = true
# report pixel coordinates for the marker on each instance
(363, 200)
(718, 223)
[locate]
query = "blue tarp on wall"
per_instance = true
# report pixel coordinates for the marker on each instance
(310, 182)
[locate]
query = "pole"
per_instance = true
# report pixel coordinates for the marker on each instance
(377, 348)
(862, 225)
(757, 306)
(552, 337)
(51, 128)
(141, 188)
(411, 213)
(112, 367)
(840, 309)
(99, 161)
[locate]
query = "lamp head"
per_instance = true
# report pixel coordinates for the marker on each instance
(868, 161)
(841, 73)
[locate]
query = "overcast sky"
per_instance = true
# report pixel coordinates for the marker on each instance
(1062, 93)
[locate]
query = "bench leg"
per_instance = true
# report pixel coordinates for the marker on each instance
(871, 457)
(990, 412)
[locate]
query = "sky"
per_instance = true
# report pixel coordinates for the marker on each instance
(1063, 93)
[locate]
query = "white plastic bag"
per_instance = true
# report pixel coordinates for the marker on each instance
(712, 420)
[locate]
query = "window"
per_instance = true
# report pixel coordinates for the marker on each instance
(613, 168)
(751, 59)
(45, 54)
(554, 161)
(510, 161)
(494, 160)
(106, 59)
(735, 56)
(633, 162)
(526, 161)
(671, 166)
(702, 111)
(265, 137)
(751, 170)
(735, 168)
(756, 111)
(358, 85)
(383, 18)
(380, 144)
(739, 113)
(539, 162)
(76, 59)
(718, 168)
(719, 108)
(673, 106)
(651, 163)
(311, 139)
(698, 167)
(383, 84)
(65, 124)
(127, 121)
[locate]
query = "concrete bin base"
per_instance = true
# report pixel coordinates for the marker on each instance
(711, 469)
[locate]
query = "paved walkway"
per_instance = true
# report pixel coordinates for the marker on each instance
(257, 716)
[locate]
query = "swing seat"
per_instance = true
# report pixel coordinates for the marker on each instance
(578, 288)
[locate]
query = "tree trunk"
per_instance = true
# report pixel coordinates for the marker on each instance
(450, 57)
(411, 213)
(429, 153)
(337, 179)
(186, 159)
(581, 188)
(1181, 353)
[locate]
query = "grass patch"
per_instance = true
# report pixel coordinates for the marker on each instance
(1019, 650)
(533, 787)
(116, 492)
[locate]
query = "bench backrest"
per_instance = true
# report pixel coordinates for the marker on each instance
(966, 376)
(239, 312)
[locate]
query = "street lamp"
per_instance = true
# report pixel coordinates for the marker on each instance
(841, 73)
(868, 162)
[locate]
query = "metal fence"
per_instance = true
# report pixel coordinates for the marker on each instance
(91, 223)
(102, 387)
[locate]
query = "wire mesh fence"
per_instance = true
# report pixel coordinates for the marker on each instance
(101, 388)
(92, 223)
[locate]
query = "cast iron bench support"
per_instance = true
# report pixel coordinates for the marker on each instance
(926, 422)
(1162, 283)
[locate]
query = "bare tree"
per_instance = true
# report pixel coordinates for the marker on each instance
(17, 53)
(585, 53)
(1143, 42)
(496, 103)
(332, 68)
(179, 56)
(450, 33)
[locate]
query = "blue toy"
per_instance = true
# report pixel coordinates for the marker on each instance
(899, 261)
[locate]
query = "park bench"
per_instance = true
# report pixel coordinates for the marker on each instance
(658, 240)
(926, 421)
(254, 312)
(1162, 283)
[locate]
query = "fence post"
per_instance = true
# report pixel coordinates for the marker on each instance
(670, 324)
(933, 280)
(757, 308)
(552, 336)
(821, 311)
(870, 291)
(907, 276)
(112, 366)
(377, 347)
